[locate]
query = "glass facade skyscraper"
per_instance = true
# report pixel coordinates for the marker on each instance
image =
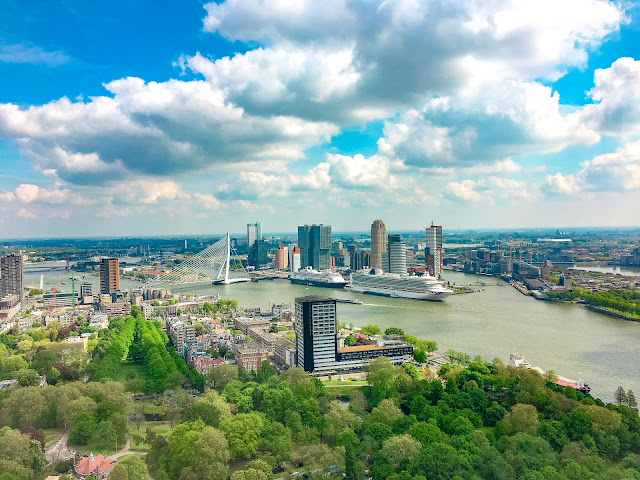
(254, 232)
(315, 246)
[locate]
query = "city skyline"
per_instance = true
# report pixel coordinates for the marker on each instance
(355, 110)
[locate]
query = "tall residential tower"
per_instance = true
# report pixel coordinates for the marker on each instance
(11, 266)
(109, 275)
(433, 250)
(316, 331)
(378, 244)
(397, 254)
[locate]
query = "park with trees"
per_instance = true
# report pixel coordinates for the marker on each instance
(475, 420)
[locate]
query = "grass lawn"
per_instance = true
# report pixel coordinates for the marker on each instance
(345, 389)
(51, 436)
(87, 449)
(146, 406)
(132, 455)
(348, 382)
(159, 428)
(140, 447)
(129, 367)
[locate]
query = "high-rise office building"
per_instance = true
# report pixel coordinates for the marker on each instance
(397, 254)
(433, 250)
(378, 244)
(281, 260)
(258, 254)
(315, 246)
(356, 260)
(254, 232)
(11, 275)
(295, 259)
(109, 276)
(316, 331)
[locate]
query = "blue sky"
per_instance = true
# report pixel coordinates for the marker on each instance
(139, 117)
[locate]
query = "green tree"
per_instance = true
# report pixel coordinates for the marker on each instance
(44, 361)
(381, 377)
(349, 340)
(211, 455)
(386, 413)
(249, 474)
(394, 331)
(20, 456)
(420, 356)
(400, 451)
(82, 429)
(371, 330)
(620, 396)
(27, 377)
(266, 371)
(53, 376)
(105, 436)
(522, 418)
(337, 419)
(182, 447)
(24, 406)
(131, 467)
(631, 399)
(276, 441)
(243, 433)
(427, 433)
(431, 346)
(210, 408)
(354, 467)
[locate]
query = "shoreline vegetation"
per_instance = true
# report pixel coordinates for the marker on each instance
(623, 304)
(615, 303)
(468, 418)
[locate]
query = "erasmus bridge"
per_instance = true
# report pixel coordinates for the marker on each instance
(211, 265)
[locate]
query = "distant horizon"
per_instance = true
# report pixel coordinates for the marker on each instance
(333, 233)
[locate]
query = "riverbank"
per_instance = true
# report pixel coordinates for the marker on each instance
(610, 313)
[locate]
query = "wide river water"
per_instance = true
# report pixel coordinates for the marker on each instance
(492, 322)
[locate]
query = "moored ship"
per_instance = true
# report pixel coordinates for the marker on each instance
(311, 277)
(412, 287)
(517, 360)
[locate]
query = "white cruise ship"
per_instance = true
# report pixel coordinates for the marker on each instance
(309, 276)
(414, 287)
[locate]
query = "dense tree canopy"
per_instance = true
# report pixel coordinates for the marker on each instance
(474, 420)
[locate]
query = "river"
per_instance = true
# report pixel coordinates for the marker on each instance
(604, 268)
(493, 322)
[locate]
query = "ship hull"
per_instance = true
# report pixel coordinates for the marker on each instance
(317, 283)
(395, 293)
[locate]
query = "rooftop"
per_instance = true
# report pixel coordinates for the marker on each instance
(314, 298)
(359, 348)
(88, 464)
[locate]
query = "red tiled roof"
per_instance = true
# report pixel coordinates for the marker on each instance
(89, 464)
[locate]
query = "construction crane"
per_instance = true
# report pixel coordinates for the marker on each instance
(73, 289)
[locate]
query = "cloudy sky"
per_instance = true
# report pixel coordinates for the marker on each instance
(133, 117)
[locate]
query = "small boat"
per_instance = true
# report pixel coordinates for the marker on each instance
(517, 360)
(349, 300)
